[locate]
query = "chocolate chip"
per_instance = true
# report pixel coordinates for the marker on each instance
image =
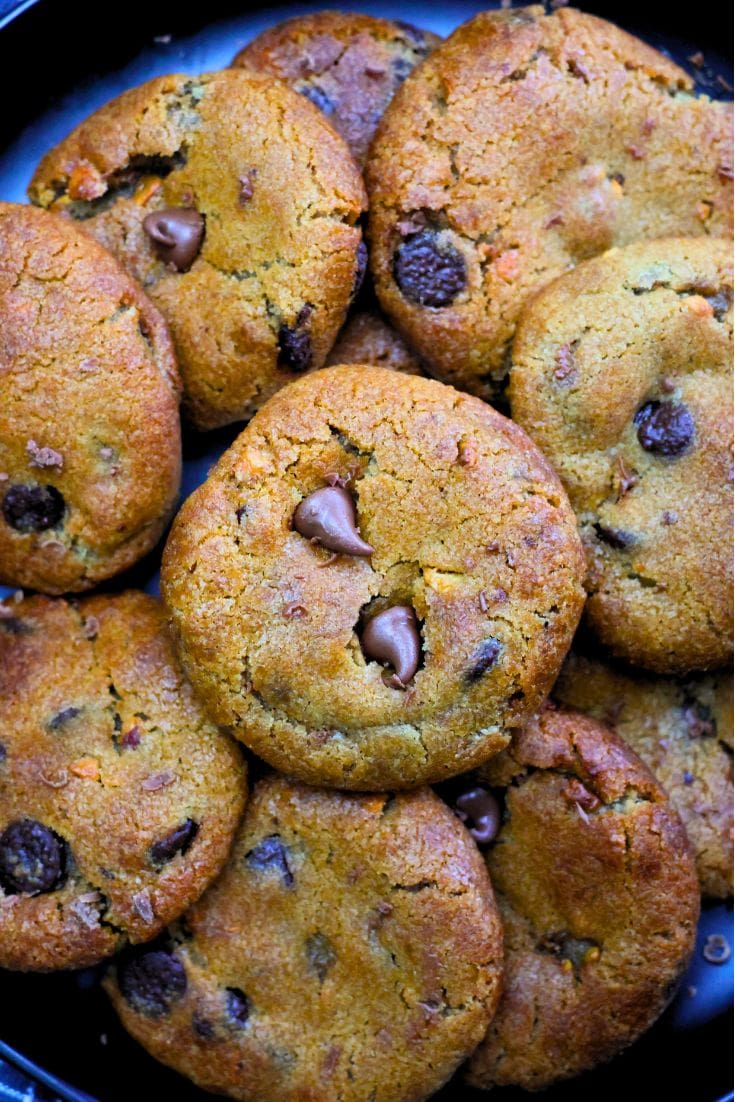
(483, 659)
(480, 812)
(720, 302)
(62, 717)
(238, 1007)
(33, 508)
(328, 515)
(320, 954)
(271, 855)
(392, 637)
(294, 343)
(614, 537)
(178, 841)
(664, 428)
(360, 269)
(32, 858)
(151, 981)
(428, 271)
(177, 234)
(202, 1026)
(319, 98)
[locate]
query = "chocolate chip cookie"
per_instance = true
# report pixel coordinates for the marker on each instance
(367, 338)
(526, 143)
(347, 63)
(683, 732)
(622, 374)
(598, 894)
(351, 949)
(378, 580)
(118, 799)
(235, 204)
(90, 448)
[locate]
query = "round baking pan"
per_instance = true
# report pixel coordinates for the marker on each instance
(57, 1032)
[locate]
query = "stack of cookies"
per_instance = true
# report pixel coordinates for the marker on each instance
(524, 421)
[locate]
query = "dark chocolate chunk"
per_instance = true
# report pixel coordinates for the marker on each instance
(63, 717)
(480, 812)
(177, 234)
(151, 981)
(319, 98)
(178, 841)
(615, 537)
(238, 1007)
(33, 508)
(428, 271)
(392, 637)
(321, 955)
(484, 659)
(32, 858)
(294, 343)
(328, 515)
(271, 855)
(664, 428)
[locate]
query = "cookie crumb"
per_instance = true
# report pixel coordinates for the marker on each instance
(716, 949)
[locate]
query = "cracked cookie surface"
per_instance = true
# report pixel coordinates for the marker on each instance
(368, 338)
(348, 64)
(683, 731)
(467, 529)
(266, 277)
(351, 949)
(598, 894)
(90, 442)
(118, 798)
(525, 143)
(622, 374)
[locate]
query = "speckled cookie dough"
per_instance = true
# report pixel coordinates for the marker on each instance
(378, 581)
(622, 374)
(368, 338)
(347, 63)
(351, 950)
(683, 732)
(235, 204)
(118, 798)
(598, 894)
(90, 443)
(526, 143)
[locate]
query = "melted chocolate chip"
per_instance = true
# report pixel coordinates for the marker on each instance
(238, 1007)
(33, 508)
(271, 855)
(328, 515)
(720, 302)
(177, 234)
(480, 812)
(32, 858)
(484, 659)
(151, 981)
(664, 428)
(614, 537)
(62, 717)
(360, 269)
(392, 637)
(319, 98)
(294, 343)
(178, 841)
(320, 954)
(428, 271)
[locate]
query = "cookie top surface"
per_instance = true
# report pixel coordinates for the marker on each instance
(118, 798)
(525, 143)
(368, 338)
(348, 64)
(622, 374)
(474, 549)
(683, 732)
(235, 203)
(598, 894)
(90, 447)
(351, 949)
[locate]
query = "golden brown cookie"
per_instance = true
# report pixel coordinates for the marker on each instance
(525, 143)
(118, 798)
(367, 338)
(598, 894)
(347, 63)
(351, 950)
(90, 443)
(235, 204)
(683, 732)
(622, 374)
(378, 580)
